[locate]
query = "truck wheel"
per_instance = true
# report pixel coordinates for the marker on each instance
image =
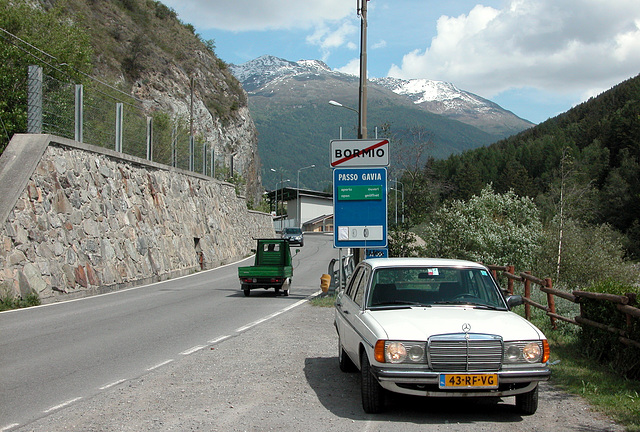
(527, 403)
(372, 393)
(246, 290)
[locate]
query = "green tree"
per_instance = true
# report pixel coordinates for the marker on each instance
(492, 228)
(32, 36)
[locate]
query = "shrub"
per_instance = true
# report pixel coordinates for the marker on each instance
(491, 228)
(589, 254)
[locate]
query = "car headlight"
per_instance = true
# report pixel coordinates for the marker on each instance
(400, 352)
(526, 352)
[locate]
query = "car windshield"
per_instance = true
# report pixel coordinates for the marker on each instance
(292, 231)
(434, 286)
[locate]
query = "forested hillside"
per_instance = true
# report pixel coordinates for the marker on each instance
(583, 165)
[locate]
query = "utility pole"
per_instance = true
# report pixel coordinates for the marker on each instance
(359, 254)
(362, 106)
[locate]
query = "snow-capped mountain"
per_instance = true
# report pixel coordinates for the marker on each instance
(259, 72)
(437, 97)
(444, 98)
(289, 104)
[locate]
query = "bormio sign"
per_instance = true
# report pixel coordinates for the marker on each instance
(359, 153)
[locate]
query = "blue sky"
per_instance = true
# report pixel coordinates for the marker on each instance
(537, 58)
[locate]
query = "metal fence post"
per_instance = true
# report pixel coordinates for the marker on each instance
(119, 123)
(34, 100)
(191, 153)
(149, 138)
(174, 139)
(79, 102)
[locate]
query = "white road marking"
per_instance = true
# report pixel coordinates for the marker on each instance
(8, 427)
(268, 317)
(192, 350)
(62, 405)
(115, 383)
(218, 340)
(159, 365)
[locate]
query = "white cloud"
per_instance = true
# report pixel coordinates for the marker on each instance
(559, 46)
(245, 15)
(328, 39)
(351, 68)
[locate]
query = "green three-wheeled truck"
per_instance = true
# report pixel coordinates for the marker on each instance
(272, 267)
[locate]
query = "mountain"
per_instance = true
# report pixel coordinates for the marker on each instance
(444, 98)
(289, 104)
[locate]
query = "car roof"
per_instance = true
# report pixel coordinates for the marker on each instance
(421, 262)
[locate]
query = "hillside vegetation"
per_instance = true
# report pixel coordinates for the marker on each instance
(586, 161)
(580, 169)
(131, 51)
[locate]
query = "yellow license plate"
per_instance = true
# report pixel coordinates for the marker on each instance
(473, 381)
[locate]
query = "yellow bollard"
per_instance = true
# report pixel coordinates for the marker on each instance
(325, 281)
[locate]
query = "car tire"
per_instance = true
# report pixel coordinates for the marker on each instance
(527, 403)
(344, 361)
(373, 394)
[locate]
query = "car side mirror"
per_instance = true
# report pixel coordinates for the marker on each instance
(514, 300)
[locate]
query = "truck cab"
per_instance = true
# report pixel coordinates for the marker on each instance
(272, 267)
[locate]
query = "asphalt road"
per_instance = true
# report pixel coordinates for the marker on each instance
(55, 356)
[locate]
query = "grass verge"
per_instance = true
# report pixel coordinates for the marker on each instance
(8, 302)
(323, 300)
(602, 387)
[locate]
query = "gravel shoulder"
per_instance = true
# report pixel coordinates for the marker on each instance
(282, 374)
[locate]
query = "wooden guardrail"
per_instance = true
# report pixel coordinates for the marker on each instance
(546, 286)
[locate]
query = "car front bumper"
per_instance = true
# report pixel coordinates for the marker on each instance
(425, 382)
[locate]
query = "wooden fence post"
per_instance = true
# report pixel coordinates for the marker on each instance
(551, 303)
(527, 295)
(510, 269)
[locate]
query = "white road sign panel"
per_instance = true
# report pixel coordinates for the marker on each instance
(350, 153)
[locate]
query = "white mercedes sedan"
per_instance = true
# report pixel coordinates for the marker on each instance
(438, 328)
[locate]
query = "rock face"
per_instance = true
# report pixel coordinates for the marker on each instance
(91, 220)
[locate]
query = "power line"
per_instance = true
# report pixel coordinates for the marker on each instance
(60, 64)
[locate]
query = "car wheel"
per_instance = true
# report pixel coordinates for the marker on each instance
(372, 392)
(527, 403)
(346, 365)
(246, 290)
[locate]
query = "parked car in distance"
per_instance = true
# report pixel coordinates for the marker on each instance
(437, 328)
(294, 235)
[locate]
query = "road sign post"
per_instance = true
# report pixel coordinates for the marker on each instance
(360, 207)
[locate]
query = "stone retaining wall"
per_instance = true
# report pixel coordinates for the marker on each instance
(91, 220)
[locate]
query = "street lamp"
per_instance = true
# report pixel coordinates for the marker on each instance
(338, 104)
(299, 209)
(282, 194)
(402, 191)
(276, 197)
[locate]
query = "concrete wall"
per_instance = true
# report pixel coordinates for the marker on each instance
(78, 219)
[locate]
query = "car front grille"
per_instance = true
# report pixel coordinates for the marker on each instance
(465, 353)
